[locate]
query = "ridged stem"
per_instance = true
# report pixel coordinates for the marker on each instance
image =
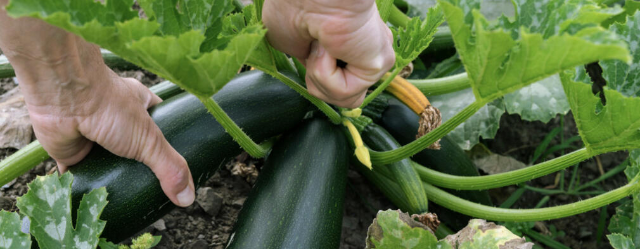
(438, 86)
(463, 206)
(502, 179)
(254, 149)
(410, 149)
(21, 162)
(381, 87)
(332, 114)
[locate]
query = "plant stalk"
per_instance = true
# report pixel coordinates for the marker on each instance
(21, 162)
(502, 179)
(381, 87)
(410, 149)
(463, 206)
(254, 149)
(332, 114)
(453, 83)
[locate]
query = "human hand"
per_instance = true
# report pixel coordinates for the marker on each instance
(319, 32)
(74, 99)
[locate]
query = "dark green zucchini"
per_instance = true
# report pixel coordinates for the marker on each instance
(261, 105)
(402, 172)
(402, 123)
(297, 200)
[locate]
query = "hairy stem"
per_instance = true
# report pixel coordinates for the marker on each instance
(502, 179)
(381, 87)
(21, 162)
(410, 149)
(254, 149)
(431, 87)
(323, 106)
(463, 206)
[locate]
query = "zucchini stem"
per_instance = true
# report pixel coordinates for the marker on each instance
(410, 149)
(438, 86)
(503, 179)
(323, 106)
(254, 149)
(463, 206)
(381, 87)
(21, 162)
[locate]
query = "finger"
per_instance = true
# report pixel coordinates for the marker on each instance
(147, 97)
(327, 78)
(169, 166)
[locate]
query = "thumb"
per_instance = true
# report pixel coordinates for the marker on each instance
(168, 165)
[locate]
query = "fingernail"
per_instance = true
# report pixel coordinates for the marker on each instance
(186, 197)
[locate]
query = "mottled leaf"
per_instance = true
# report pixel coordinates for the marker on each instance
(500, 59)
(394, 229)
(623, 77)
(11, 237)
(484, 123)
(178, 41)
(630, 8)
(48, 206)
(540, 101)
(480, 234)
(625, 224)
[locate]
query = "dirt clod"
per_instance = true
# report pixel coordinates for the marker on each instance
(209, 201)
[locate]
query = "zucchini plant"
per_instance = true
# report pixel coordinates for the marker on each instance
(200, 45)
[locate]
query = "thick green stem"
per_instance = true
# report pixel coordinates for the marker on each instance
(502, 179)
(431, 87)
(21, 162)
(323, 106)
(254, 149)
(387, 157)
(166, 89)
(397, 18)
(463, 206)
(381, 87)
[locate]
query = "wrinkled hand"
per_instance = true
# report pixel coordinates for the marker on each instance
(319, 32)
(74, 99)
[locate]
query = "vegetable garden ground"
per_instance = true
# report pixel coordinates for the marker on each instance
(193, 228)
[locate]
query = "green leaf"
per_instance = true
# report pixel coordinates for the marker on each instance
(619, 241)
(623, 77)
(500, 59)
(394, 229)
(180, 44)
(484, 123)
(384, 8)
(48, 206)
(613, 127)
(409, 42)
(540, 101)
(11, 236)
